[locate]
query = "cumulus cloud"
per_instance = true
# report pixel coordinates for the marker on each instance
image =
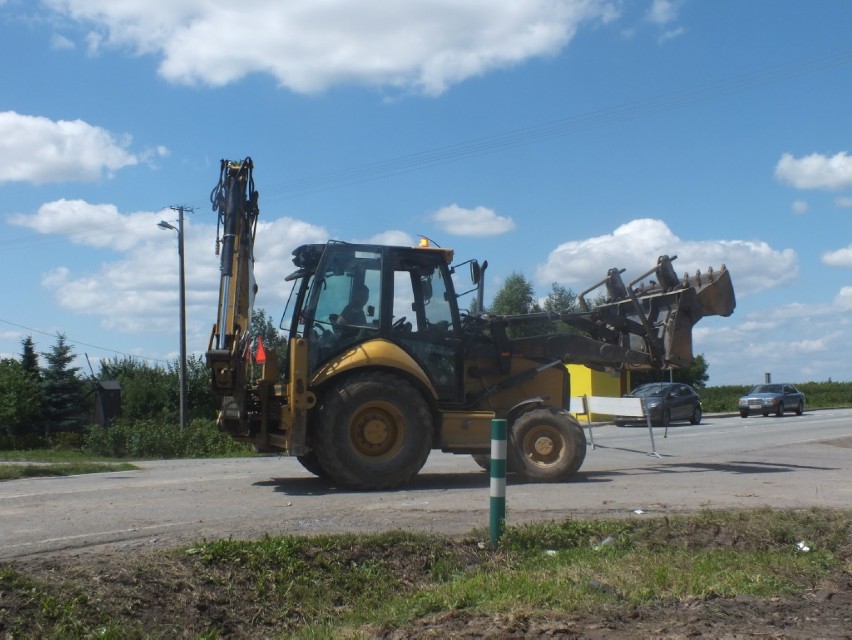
(635, 246)
(839, 258)
(478, 222)
(815, 171)
(39, 150)
(424, 46)
(95, 225)
(138, 290)
(843, 203)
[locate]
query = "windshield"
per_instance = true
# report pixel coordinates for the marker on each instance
(647, 390)
(767, 388)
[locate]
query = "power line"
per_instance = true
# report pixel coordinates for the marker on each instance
(80, 343)
(561, 127)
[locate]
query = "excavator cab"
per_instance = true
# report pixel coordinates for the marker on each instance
(401, 296)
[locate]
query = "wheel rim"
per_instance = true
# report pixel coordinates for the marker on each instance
(377, 431)
(543, 446)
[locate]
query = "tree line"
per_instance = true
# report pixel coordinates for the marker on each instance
(44, 394)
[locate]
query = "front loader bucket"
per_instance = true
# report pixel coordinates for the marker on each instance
(656, 317)
(715, 292)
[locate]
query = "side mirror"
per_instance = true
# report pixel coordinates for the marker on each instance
(475, 272)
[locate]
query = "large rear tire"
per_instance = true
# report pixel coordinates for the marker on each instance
(310, 463)
(374, 431)
(547, 445)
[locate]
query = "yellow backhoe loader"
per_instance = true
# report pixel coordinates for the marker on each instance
(382, 365)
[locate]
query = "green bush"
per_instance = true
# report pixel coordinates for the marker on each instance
(160, 439)
(23, 442)
(721, 399)
(818, 395)
(827, 394)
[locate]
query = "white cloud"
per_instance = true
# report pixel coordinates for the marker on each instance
(795, 342)
(138, 291)
(424, 46)
(95, 225)
(843, 203)
(38, 150)
(815, 171)
(635, 246)
(663, 12)
(840, 258)
(392, 237)
(800, 207)
(843, 299)
(478, 222)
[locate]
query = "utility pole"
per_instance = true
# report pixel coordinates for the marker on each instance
(183, 382)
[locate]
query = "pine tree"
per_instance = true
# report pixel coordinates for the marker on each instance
(63, 390)
(29, 357)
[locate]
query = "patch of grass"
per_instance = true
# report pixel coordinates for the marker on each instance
(16, 471)
(52, 455)
(365, 586)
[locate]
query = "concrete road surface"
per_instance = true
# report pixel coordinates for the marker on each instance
(723, 463)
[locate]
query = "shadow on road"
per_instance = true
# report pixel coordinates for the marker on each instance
(738, 467)
(422, 482)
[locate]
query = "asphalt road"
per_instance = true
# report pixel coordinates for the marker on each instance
(723, 463)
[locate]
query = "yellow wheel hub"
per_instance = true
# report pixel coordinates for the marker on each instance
(377, 430)
(543, 446)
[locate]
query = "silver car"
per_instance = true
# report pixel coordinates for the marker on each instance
(772, 398)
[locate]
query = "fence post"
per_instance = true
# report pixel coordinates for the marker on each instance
(497, 518)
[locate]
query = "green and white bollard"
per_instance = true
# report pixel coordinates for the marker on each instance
(498, 481)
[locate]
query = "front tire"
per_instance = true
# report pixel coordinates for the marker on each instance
(374, 431)
(696, 416)
(743, 414)
(800, 409)
(780, 410)
(546, 445)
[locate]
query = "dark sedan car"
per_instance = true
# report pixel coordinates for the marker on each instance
(665, 402)
(772, 398)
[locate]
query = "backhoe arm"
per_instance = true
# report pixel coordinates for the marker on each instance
(235, 200)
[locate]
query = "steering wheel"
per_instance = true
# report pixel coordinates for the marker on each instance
(398, 324)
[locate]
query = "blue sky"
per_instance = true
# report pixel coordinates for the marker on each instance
(554, 138)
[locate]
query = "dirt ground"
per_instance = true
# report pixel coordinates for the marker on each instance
(174, 596)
